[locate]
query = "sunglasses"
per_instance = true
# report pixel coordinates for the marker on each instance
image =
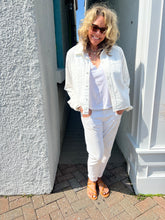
(95, 28)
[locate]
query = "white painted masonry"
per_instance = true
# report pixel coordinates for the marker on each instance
(142, 141)
(29, 105)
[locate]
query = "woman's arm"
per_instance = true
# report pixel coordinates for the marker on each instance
(69, 84)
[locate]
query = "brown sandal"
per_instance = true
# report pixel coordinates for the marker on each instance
(92, 194)
(102, 185)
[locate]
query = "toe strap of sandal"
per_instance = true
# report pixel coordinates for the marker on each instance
(94, 194)
(103, 185)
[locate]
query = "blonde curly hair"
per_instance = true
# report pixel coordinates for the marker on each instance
(111, 21)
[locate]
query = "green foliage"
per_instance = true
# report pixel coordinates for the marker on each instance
(144, 196)
(28, 195)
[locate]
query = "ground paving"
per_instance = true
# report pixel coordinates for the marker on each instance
(68, 200)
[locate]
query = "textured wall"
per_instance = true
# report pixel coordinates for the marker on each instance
(25, 142)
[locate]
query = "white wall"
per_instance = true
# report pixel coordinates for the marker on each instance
(49, 73)
(140, 135)
(160, 139)
(127, 12)
(29, 126)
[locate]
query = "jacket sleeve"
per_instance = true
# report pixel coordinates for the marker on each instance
(126, 77)
(69, 84)
(125, 72)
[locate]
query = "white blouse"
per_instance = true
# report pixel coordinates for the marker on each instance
(99, 97)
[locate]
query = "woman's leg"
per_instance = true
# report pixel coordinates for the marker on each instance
(93, 130)
(110, 128)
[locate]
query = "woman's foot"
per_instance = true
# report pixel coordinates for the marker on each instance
(91, 190)
(103, 188)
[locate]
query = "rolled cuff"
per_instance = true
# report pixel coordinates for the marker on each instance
(126, 108)
(74, 106)
(129, 108)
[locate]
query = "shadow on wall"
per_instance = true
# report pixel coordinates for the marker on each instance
(138, 106)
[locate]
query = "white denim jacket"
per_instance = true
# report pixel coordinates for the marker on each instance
(77, 78)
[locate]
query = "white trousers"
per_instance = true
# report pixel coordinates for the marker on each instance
(100, 130)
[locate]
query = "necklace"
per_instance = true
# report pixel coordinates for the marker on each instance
(94, 51)
(94, 55)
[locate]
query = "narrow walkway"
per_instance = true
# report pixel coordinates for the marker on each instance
(69, 201)
(73, 149)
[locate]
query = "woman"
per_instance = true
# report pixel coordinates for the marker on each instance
(97, 82)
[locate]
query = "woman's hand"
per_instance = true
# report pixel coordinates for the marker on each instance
(120, 112)
(85, 116)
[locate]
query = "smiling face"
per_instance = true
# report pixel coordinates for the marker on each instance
(94, 34)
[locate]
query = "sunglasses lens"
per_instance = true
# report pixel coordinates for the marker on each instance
(95, 28)
(102, 30)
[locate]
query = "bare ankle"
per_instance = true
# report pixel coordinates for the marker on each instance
(91, 181)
